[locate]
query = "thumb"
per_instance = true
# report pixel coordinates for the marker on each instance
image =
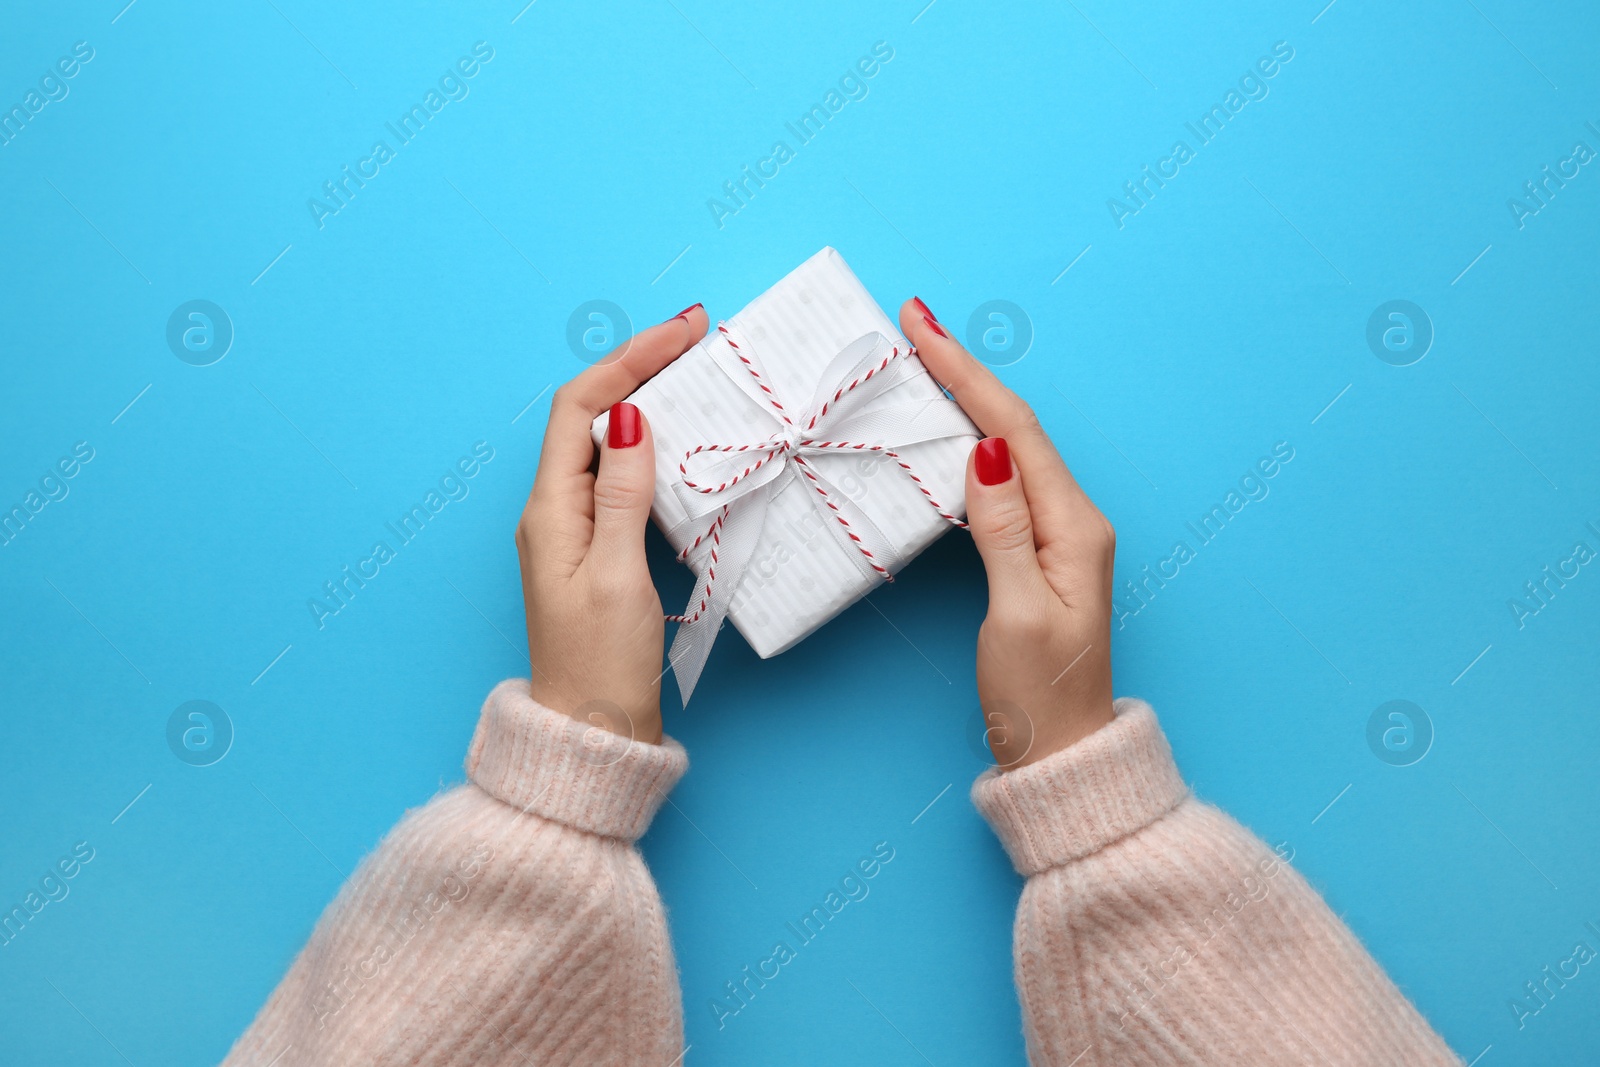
(1001, 524)
(625, 486)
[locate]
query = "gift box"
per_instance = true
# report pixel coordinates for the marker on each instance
(803, 456)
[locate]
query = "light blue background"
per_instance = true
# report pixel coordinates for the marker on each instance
(425, 316)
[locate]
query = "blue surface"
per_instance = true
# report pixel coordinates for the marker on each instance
(1229, 313)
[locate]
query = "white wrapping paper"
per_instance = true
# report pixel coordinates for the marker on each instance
(785, 562)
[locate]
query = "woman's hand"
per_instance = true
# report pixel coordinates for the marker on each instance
(595, 629)
(1044, 650)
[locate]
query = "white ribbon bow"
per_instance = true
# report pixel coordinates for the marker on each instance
(733, 482)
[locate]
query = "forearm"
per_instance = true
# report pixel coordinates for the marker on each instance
(1153, 929)
(510, 919)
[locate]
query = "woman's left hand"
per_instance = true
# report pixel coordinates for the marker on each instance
(595, 628)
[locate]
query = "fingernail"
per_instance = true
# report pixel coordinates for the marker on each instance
(993, 461)
(625, 429)
(934, 326)
(927, 312)
(684, 314)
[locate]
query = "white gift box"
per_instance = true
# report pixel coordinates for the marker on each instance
(803, 455)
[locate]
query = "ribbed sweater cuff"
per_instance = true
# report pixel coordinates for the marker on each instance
(556, 767)
(1074, 802)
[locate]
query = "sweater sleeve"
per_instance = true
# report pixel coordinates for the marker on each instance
(1155, 930)
(510, 920)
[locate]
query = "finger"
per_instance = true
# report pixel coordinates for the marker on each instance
(1001, 523)
(635, 361)
(563, 482)
(997, 410)
(1060, 506)
(624, 489)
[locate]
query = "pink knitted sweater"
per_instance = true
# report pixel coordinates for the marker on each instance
(512, 920)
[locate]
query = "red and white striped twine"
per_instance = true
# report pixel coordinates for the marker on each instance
(774, 447)
(715, 534)
(772, 398)
(770, 448)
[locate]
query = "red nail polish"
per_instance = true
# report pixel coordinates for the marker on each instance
(684, 314)
(625, 429)
(934, 326)
(993, 461)
(927, 312)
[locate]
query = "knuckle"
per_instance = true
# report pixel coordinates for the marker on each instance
(1107, 535)
(1017, 622)
(609, 587)
(568, 397)
(541, 539)
(1026, 420)
(1008, 527)
(527, 531)
(615, 494)
(958, 379)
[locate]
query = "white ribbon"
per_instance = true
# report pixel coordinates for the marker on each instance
(732, 483)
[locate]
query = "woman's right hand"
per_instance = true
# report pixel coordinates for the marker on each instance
(1044, 649)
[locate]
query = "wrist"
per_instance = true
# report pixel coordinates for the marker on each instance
(1065, 730)
(639, 722)
(1019, 739)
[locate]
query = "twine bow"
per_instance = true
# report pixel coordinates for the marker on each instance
(853, 412)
